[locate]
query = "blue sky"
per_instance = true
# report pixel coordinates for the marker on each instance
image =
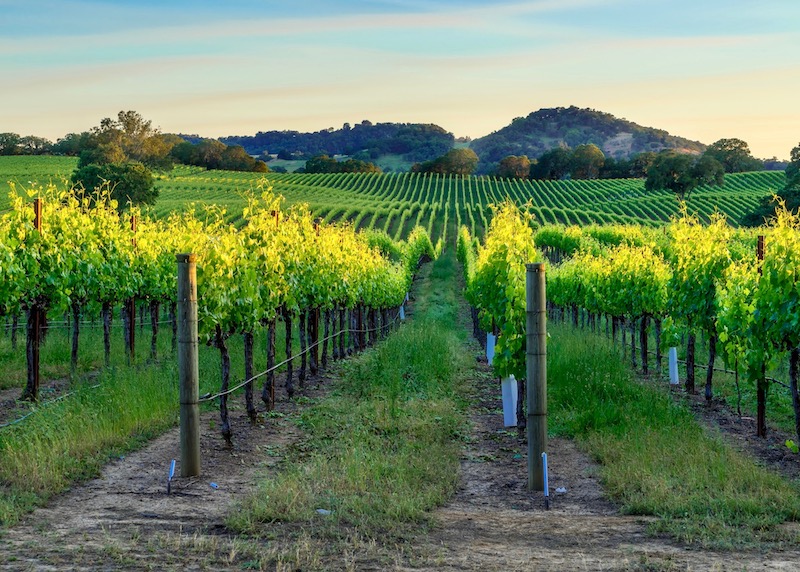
(702, 69)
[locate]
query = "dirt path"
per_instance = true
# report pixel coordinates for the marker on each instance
(495, 524)
(125, 520)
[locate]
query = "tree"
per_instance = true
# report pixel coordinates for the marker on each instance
(682, 173)
(616, 168)
(235, 158)
(209, 153)
(708, 171)
(9, 144)
(793, 170)
(586, 161)
(186, 153)
(130, 183)
(454, 162)
(102, 154)
(321, 164)
(552, 165)
(514, 167)
(734, 154)
(325, 164)
(358, 166)
(128, 138)
(13, 144)
(71, 144)
(32, 145)
(641, 163)
(460, 161)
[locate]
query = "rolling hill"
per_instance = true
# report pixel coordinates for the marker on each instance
(572, 126)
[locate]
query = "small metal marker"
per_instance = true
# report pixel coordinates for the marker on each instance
(546, 486)
(171, 474)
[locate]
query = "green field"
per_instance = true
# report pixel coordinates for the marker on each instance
(396, 203)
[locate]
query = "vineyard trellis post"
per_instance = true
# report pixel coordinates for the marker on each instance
(536, 372)
(188, 365)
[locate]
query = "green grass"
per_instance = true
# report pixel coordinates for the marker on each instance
(71, 439)
(394, 163)
(57, 348)
(384, 448)
(24, 171)
(656, 459)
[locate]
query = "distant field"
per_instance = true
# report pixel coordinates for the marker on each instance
(398, 202)
(25, 170)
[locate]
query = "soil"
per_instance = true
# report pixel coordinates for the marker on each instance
(126, 520)
(110, 522)
(494, 523)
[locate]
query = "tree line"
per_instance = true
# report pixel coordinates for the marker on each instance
(362, 141)
(123, 153)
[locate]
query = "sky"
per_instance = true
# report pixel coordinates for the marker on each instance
(701, 69)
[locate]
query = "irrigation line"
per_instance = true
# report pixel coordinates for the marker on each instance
(45, 404)
(218, 395)
(63, 325)
(705, 366)
(287, 360)
(721, 369)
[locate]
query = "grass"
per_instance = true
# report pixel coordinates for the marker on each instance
(57, 347)
(384, 448)
(394, 163)
(23, 171)
(656, 459)
(71, 439)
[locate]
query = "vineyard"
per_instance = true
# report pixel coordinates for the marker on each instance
(77, 262)
(735, 291)
(397, 203)
(296, 271)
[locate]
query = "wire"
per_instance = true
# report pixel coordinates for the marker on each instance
(206, 398)
(45, 404)
(222, 393)
(64, 325)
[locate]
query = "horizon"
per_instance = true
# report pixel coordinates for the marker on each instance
(703, 72)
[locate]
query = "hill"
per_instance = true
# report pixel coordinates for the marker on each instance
(572, 126)
(415, 142)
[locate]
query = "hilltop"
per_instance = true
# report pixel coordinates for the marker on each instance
(572, 126)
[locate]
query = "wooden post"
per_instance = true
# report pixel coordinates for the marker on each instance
(188, 368)
(268, 393)
(536, 372)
